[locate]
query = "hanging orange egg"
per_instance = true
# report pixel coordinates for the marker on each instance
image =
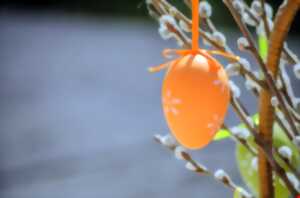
(195, 98)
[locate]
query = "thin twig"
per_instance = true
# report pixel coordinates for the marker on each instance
(267, 149)
(180, 16)
(200, 169)
(269, 78)
(241, 141)
(290, 56)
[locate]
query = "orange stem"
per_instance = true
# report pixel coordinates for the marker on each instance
(195, 25)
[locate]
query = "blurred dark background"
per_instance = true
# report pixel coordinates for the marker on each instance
(79, 109)
(133, 8)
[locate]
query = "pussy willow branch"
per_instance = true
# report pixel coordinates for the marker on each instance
(227, 182)
(266, 109)
(264, 17)
(295, 114)
(284, 128)
(188, 44)
(212, 28)
(174, 9)
(206, 20)
(180, 16)
(283, 20)
(269, 78)
(244, 72)
(280, 172)
(288, 164)
(284, 90)
(288, 97)
(289, 135)
(241, 141)
(266, 148)
(226, 48)
(279, 121)
(290, 56)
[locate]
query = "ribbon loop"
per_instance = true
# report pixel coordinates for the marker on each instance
(172, 53)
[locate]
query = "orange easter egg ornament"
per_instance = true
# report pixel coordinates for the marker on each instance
(195, 98)
(195, 92)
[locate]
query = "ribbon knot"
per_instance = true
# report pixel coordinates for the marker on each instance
(173, 53)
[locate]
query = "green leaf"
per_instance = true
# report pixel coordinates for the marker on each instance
(249, 172)
(222, 134)
(263, 46)
(255, 119)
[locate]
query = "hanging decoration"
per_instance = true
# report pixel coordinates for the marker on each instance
(195, 92)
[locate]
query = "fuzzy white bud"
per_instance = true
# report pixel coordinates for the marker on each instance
(219, 38)
(297, 70)
(168, 140)
(242, 43)
(239, 6)
(285, 152)
(196, 167)
(158, 137)
(274, 101)
(256, 7)
(250, 84)
(164, 32)
(296, 141)
(235, 89)
(163, 29)
(293, 179)
(254, 163)
(248, 20)
(240, 132)
(233, 69)
(279, 84)
(269, 10)
(190, 166)
(164, 19)
(221, 175)
(245, 63)
(205, 9)
(179, 152)
(287, 82)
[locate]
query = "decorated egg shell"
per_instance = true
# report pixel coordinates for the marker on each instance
(195, 98)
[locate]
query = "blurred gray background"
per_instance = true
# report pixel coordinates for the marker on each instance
(79, 109)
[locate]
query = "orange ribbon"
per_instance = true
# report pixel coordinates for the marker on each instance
(169, 53)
